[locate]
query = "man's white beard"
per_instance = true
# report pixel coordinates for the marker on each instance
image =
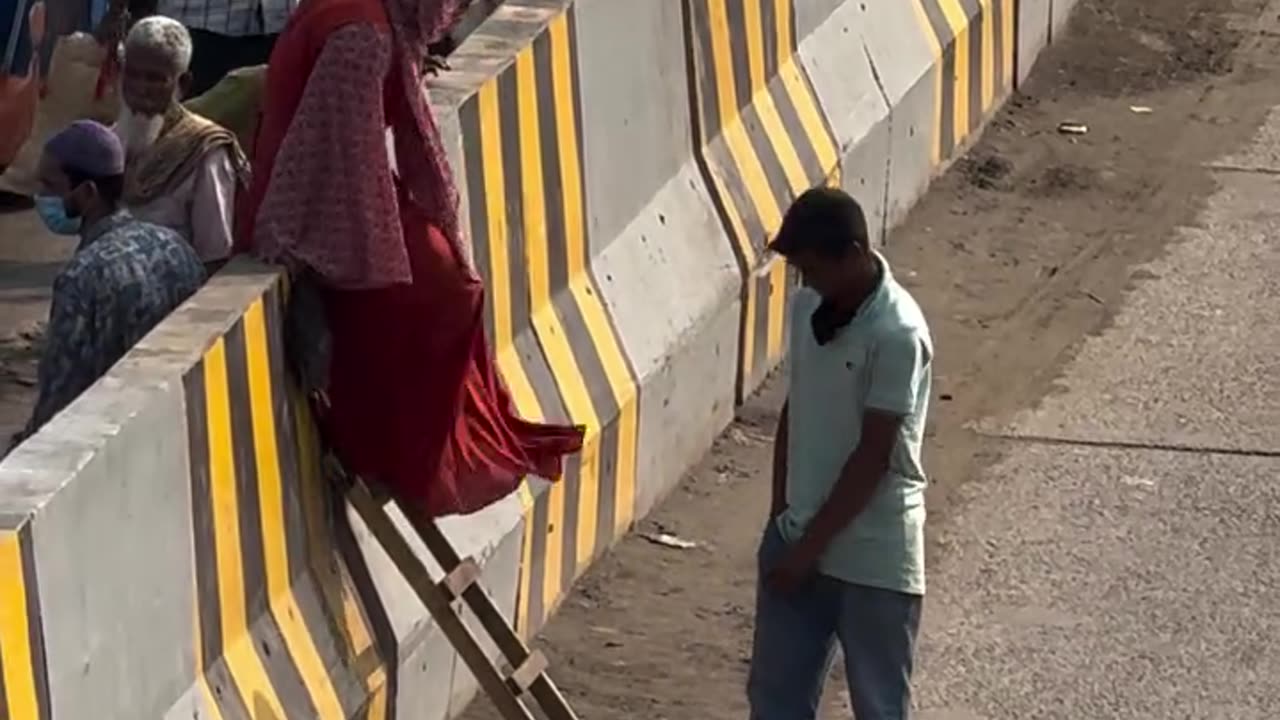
(137, 132)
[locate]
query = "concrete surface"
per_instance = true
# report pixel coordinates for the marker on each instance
(1192, 359)
(648, 208)
(1060, 15)
(907, 71)
(1121, 560)
(839, 64)
(1035, 18)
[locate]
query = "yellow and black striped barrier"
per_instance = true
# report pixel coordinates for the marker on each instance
(974, 43)
(556, 344)
(762, 139)
(279, 630)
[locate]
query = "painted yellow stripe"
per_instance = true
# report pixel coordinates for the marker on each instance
(555, 343)
(749, 308)
(625, 492)
(722, 61)
(926, 27)
(378, 704)
(755, 45)
(959, 23)
(1009, 42)
(284, 606)
(495, 199)
(781, 142)
(603, 337)
(567, 141)
(735, 134)
(553, 563)
(753, 179)
(786, 45)
(587, 299)
(15, 633)
(526, 575)
(989, 50)
(588, 512)
(242, 658)
(802, 98)
(727, 104)
(811, 120)
(777, 307)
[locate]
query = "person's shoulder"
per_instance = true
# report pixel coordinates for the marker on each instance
(901, 310)
(76, 270)
(900, 320)
(144, 237)
(144, 230)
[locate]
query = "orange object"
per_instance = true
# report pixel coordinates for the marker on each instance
(19, 95)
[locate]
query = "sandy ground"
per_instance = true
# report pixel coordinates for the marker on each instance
(1053, 594)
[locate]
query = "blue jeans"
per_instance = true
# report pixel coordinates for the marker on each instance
(795, 644)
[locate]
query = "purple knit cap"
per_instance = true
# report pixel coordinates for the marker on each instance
(89, 147)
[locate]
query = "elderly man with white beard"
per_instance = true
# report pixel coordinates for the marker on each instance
(182, 169)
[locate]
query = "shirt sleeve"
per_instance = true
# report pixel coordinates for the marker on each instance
(212, 206)
(64, 370)
(331, 201)
(897, 362)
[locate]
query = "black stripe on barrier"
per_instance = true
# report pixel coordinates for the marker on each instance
(607, 518)
(548, 146)
(978, 20)
(702, 70)
(538, 538)
(998, 25)
(739, 62)
(566, 535)
(777, 144)
(523, 146)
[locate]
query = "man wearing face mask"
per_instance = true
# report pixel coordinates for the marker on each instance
(124, 278)
(182, 170)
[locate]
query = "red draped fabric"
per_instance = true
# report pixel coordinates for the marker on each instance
(415, 401)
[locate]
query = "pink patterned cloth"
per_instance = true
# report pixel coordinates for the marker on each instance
(332, 205)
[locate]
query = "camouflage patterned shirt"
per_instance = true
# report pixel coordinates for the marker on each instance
(124, 278)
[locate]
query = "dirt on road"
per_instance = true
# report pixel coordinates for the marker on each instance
(1019, 252)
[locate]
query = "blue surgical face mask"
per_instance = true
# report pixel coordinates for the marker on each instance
(53, 211)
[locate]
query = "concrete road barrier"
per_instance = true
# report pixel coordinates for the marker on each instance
(168, 547)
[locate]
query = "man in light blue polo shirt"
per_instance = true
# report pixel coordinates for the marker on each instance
(843, 553)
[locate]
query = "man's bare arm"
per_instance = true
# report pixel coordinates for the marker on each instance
(780, 440)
